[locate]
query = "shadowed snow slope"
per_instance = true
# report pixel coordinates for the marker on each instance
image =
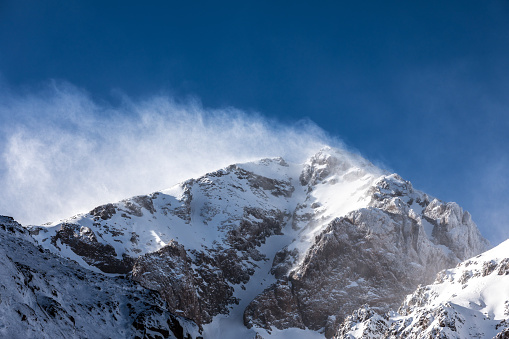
(45, 296)
(274, 248)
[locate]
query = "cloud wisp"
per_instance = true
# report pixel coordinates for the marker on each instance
(62, 153)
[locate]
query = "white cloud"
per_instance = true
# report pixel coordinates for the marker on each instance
(62, 153)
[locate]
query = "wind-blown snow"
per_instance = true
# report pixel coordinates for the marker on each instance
(199, 213)
(62, 153)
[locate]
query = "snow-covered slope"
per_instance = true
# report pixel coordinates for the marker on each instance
(469, 301)
(45, 296)
(277, 247)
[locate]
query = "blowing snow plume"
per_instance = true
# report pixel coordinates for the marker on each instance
(63, 153)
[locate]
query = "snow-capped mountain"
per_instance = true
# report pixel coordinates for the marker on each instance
(46, 296)
(273, 248)
(469, 301)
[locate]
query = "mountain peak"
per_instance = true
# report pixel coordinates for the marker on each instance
(330, 162)
(321, 236)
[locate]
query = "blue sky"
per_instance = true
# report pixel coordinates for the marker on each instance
(421, 87)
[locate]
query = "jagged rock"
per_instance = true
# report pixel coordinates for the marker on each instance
(373, 326)
(104, 212)
(198, 284)
(255, 226)
(196, 293)
(353, 262)
(277, 307)
(504, 334)
(451, 307)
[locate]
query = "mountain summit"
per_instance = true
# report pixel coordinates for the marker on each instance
(270, 247)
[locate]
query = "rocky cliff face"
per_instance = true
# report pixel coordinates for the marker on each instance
(374, 255)
(45, 296)
(275, 245)
(469, 301)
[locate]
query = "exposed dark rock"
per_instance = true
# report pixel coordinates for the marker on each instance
(255, 226)
(83, 241)
(184, 210)
(283, 311)
(503, 267)
(363, 258)
(275, 187)
(196, 292)
(146, 202)
(504, 334)
(283, 262)
(104, 212)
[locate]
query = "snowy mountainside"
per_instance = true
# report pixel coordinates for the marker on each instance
(271, 246)
(199, 212)
(201, 235)
(469, 301)
(374, 255)
(45, 296)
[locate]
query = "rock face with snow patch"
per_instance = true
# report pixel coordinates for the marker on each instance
(195, 285)
(374, 255)
(83, 241)
(469, 301)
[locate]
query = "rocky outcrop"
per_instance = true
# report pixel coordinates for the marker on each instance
(195, 291)
(277, 306)
(469, 301)
(83, 241)
(198, 284)
(362, 258)
(445, 223)
(374, 326)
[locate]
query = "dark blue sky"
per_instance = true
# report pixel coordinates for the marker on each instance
(422, 87)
